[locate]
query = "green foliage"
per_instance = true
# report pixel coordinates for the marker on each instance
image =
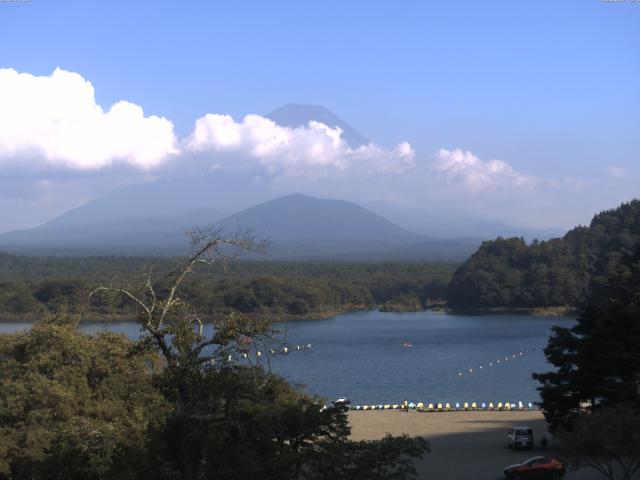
(607, 441)
(559, 272)
(598, 360)
(17, 299)
(239, 423)
(403, 302)
(32, 286)
(388, 459)
(73, 405)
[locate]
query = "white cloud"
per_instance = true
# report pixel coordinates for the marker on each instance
(314, 150)
(463, 167)
(55, 119)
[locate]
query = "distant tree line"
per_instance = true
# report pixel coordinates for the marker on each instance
(33, 286)
(558, 272)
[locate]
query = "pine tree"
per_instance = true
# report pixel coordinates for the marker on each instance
(598, 360)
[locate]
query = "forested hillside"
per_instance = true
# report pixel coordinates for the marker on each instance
(559, 272)
(33, 286)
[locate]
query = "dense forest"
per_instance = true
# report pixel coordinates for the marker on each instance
(562, 272)
(33, 286)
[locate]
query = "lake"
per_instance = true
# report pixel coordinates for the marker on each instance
(361, 355)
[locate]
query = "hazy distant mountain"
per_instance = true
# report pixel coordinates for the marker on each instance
(131, 235)
(302, 225)
(294, 115)
(297, 226)
(443, 224)
(481, 229)
(167, 197)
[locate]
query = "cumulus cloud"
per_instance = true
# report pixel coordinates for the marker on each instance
(314, 150)
(55, 119)
(465, 168)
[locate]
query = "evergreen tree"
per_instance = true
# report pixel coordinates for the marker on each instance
(561, 272)
(598, 360)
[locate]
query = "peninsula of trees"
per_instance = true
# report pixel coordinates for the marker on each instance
(562, 272)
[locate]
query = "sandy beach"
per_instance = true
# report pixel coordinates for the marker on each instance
(464, 445)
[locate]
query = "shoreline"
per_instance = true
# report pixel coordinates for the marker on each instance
(325, 315)
(557, 311)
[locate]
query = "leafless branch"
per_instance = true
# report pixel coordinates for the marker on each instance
(208, 246)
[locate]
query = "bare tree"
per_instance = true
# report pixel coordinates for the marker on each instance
(175, 326)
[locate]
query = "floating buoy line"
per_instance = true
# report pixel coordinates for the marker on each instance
(285, 350)
(495, 363)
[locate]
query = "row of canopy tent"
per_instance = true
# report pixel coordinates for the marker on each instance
(448, 407)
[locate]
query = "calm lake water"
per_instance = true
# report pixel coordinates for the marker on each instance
(360, 355)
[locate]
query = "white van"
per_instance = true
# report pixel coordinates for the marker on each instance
(520, 437)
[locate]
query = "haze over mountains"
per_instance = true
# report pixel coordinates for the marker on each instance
(153, 217)
(297, 227)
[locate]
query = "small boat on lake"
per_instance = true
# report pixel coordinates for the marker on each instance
(407, 345)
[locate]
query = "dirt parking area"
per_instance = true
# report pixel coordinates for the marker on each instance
(464, 445)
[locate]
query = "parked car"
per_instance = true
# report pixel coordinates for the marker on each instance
(339, 405)
(520, 437)
(542, 468)
(342, 404)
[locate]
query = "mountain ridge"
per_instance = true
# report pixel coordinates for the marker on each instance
(298, 226)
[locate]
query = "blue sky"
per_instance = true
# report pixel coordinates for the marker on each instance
(551, 88)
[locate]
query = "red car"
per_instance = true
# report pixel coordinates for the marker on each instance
(536, 467)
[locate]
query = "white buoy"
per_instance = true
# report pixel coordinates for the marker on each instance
(459, 374)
